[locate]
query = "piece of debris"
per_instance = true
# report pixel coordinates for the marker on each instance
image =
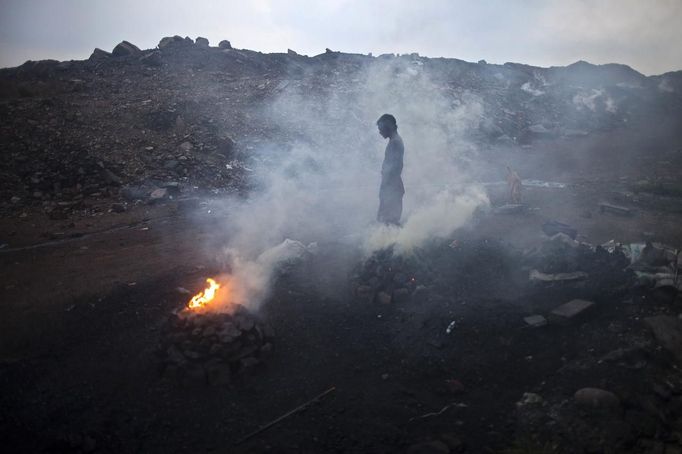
(610, 208)
(537, 276)
(571, 309)
(535, 321)
(450, 327)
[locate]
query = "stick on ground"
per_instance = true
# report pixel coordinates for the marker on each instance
(284, 416)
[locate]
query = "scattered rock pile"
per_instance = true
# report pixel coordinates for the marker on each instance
(387, 278)
(212, 348)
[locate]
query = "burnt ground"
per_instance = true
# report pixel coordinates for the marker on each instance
(79, 372)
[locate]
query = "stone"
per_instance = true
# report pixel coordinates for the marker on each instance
(209, 331)
(201, 41)
(169, 41)
(152, 59)
(610, 208)
(186, 147)
(537, 276)
(571, 309)
(453, 441)
(118, 208)
(194, 375)
(111, 178)
(248, 364)
(224, 44)
(218, 374)
(596, 399)
(530, 399)
(667, 330)
(245, 323)
(174, 355)
(124, 49)
(383, 298)
(158, 194)
(643, 423)
(429, 447)
(535, 320)
(99, 55)
(291, 52)
(401, 295)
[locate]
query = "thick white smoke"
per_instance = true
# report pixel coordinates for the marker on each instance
(321, 183)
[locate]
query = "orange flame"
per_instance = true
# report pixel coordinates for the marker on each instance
(201, 299)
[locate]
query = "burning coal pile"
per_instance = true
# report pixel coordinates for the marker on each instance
(201, 346)
(387, 277)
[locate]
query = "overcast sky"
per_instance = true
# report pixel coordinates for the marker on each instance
(645, 34)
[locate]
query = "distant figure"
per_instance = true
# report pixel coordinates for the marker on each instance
(392, 189)
(515, 186)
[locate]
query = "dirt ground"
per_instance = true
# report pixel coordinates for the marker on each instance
(84, 300)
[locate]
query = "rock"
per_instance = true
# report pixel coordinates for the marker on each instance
(218, 374)
(201, 41)
(537, 276)
(571, 309)
(124, 49)
(383, 298)
(245, 323)
(530, 399)
(668, 332)
(607, 207)
(596, 399)
(535, 320)
(291, 52)
(248, 364)
(401, 295)
(158, 194)
(118, 208)
(453, 442)
(152, 59)
(643, 423)
(551, 228)
(99, 55)
(174, 355)
(170, 164)
(229, 329)
(111, 178)
(169, 41)
(186, 147)
(209, 331)
(429, 447)
(224, 44)
(194, 375)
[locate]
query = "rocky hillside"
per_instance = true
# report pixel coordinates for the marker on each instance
(185, 115)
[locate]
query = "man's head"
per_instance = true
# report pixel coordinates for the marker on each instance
(387, 125)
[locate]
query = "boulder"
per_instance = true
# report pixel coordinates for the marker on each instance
(124, 49)
(668, 331)
(169, 40)
(152, 59)
(596, 399)
(224, 44)
(99, 54)
(201, 42)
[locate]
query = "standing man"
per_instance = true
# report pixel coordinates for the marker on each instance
(392, 189)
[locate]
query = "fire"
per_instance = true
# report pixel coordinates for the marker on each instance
(201, 299)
